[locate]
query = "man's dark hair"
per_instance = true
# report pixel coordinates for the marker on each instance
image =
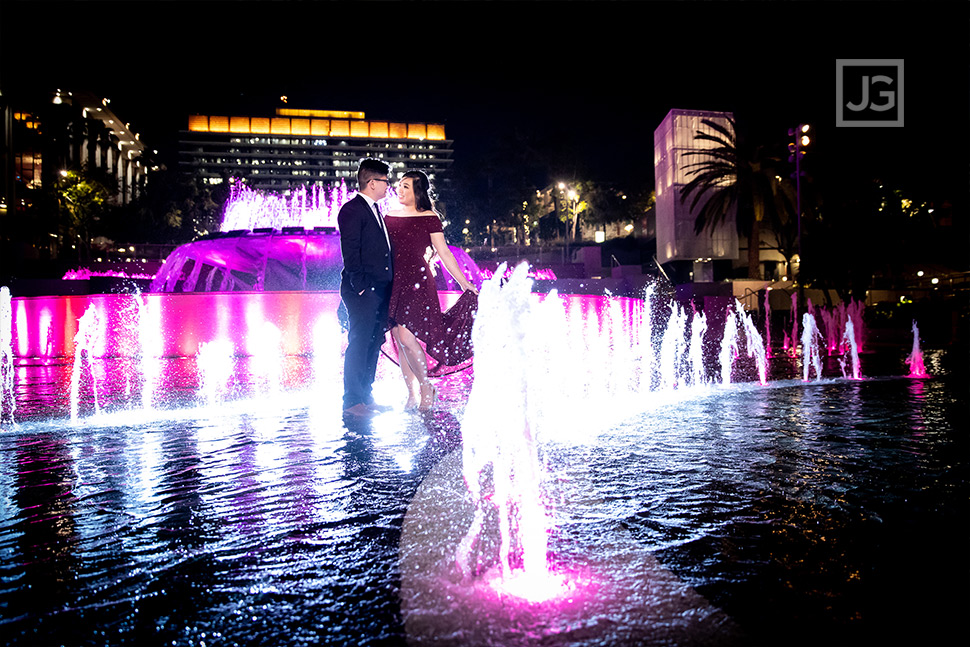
(369, 168)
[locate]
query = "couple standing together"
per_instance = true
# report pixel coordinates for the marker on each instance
(387, 282)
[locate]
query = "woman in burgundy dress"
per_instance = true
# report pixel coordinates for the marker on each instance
(428, 341)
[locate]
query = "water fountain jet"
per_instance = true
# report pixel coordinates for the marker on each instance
(915, 358)
(8, 400)
(811, 356)
(88, 341)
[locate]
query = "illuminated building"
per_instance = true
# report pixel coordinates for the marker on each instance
(675, 148)
(70, 131)
(298, 147)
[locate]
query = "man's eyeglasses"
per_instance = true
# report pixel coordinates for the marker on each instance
(382, 179)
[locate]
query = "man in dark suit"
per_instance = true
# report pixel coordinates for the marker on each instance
(365, 285)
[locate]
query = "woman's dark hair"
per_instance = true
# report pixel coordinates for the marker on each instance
(423, 192)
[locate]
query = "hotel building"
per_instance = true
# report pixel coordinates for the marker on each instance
(297, 147)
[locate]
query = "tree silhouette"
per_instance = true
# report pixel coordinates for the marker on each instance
(731, 174)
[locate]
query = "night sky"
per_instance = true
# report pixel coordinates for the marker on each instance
(583, 85)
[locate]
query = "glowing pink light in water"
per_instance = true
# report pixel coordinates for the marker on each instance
(915, 359)
(768, 353)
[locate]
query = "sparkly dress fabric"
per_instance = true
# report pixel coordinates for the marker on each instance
(446, 336)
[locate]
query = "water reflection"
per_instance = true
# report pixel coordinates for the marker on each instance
(40, 544)
(818, 507)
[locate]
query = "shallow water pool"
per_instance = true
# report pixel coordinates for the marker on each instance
(829, 512)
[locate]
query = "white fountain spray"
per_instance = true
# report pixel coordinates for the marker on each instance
(855, 313)
(698, 326)
(672, 347)
(267, 358)
(499, 436)
(89, 338)
(328, 339)
(646, 351)
(729, 346)
(849, 340)
(151, 346)
(811, 357)
(8, 400)
(754, 344)
(215, 364)
(308, 208)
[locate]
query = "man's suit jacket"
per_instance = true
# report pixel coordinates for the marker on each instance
(363, 245)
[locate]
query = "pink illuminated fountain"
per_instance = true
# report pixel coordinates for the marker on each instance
(502, 441)
(849, 340)
(305, 208)
(768, 353)
(269, 242)
(915, 359)
(479, 562)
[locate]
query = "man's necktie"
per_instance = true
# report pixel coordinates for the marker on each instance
(380, 221)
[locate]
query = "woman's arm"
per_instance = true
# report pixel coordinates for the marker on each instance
(448, 260)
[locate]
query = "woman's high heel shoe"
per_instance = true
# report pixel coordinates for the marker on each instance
(429, 395)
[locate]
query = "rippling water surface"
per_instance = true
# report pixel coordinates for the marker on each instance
(824, 513)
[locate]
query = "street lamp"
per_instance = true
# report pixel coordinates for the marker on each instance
(797, 149)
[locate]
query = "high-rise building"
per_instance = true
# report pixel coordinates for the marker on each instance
(297, 147)
(675, 149)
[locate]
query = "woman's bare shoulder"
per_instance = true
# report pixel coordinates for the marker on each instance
(401, 213)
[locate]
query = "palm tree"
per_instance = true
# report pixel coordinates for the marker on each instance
(730, 174)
